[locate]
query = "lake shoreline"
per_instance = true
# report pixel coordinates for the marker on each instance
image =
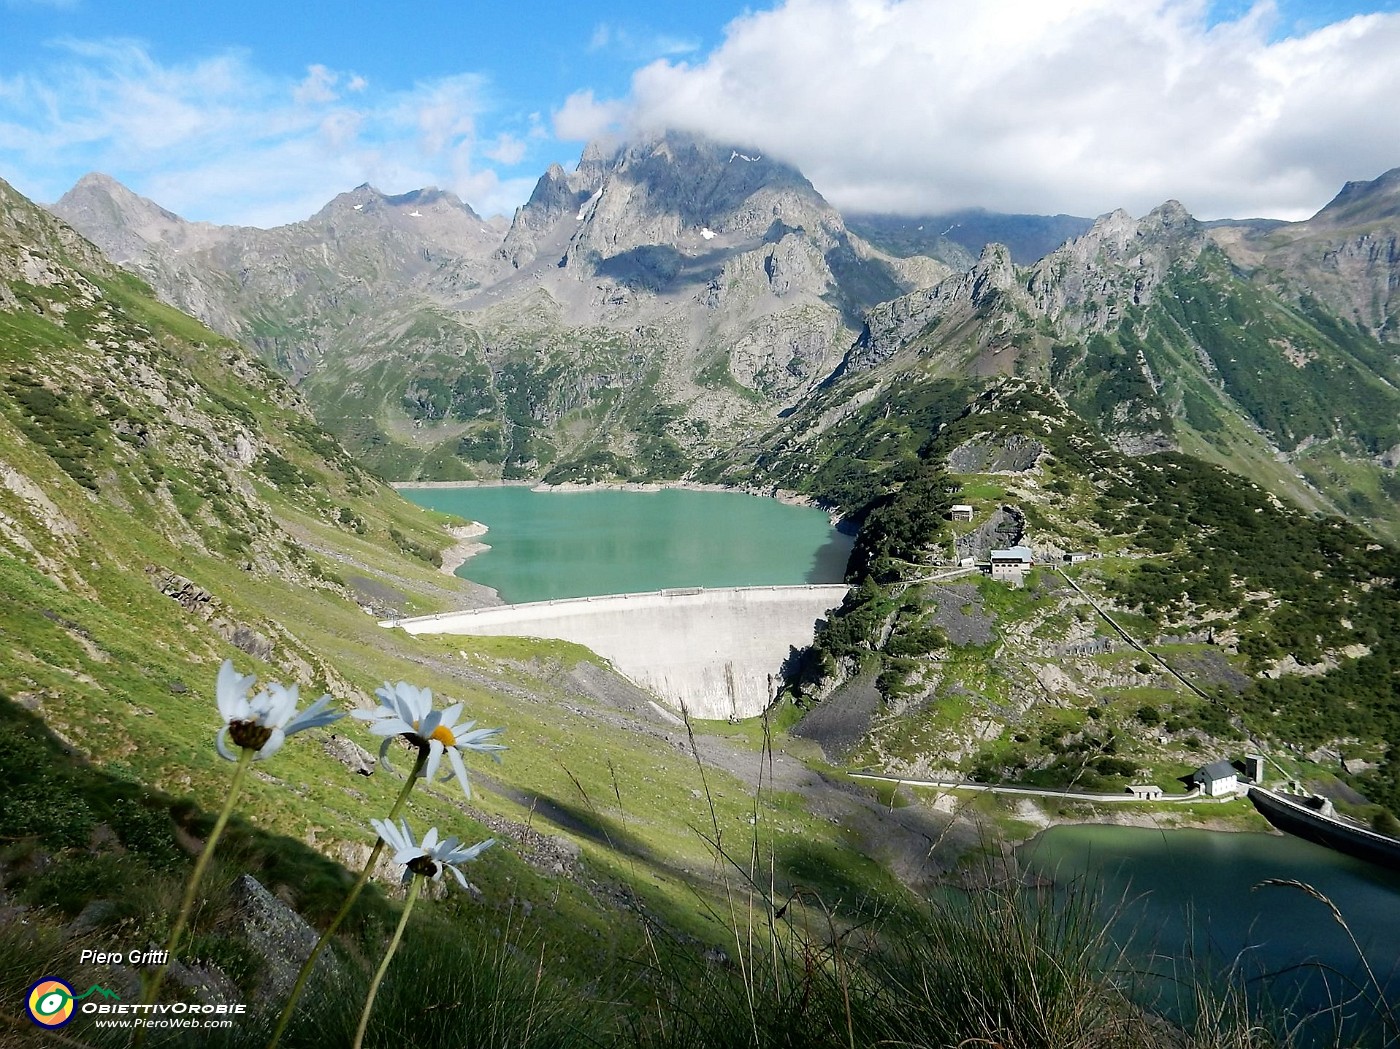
(627, 538)
(839, 521)
(464, 548)
(1163, 818)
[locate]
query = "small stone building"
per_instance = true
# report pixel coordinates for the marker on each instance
(960, 512)
(1145, 791)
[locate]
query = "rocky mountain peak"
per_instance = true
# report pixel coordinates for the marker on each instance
(367, 200)
(658, 190)
(681, 189)
(1360, 203)
(35, 245)
(1169, 217)
(993, 270)
(597, 157)
(1120, 261)
(124, 224)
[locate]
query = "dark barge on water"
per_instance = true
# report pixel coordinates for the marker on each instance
(1298, 815)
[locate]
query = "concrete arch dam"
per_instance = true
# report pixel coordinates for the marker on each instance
(714, 653)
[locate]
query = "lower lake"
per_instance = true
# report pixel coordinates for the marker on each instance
(1184, 901)
(580, 543)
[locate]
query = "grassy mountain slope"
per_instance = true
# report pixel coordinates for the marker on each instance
(167, 502)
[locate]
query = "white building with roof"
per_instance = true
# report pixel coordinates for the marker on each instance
(1011, 564)
(1217, 779)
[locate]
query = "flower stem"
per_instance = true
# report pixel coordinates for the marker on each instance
(355, 890)
(245, 761)
(388, 957)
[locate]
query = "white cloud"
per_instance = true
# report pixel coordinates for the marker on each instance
(444, 110)
(1022, 105)
(602, 36)
(507, 149)
(638, 45)
(219, 139)
(583, 117)
(319, 86)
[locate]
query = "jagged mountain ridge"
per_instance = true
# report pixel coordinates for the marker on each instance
(710, 286)
(1346, 256)
(661, 304)
(1156, 336)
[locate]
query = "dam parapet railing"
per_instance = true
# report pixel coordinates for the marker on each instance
(668, 592)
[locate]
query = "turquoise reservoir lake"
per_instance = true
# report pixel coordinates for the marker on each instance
(1189, 897)
(575, 544)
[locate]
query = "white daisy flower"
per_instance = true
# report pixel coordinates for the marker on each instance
(406, 710)
(430, 857)
(264, 722)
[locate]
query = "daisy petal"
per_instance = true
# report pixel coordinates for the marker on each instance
(314, 716)
(435, 749)
(459, 768)
(231, 692)
(273, 744)
(384, 756)
(221, 747)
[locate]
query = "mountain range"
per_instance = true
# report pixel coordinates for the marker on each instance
(666, 305)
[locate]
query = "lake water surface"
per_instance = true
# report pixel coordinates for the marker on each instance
(1193, 896)
(574, 544)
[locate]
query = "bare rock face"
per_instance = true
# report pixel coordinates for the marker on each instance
(1346, 257)
(280, 936)
(186, 593)
(894, 325)
(1085, 285)
(1004, 528)
(1012, 454)
(349, 753)
(200, 602)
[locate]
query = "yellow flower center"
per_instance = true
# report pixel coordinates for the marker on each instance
(444, 735)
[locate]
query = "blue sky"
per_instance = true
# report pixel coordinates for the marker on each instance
(258, 112)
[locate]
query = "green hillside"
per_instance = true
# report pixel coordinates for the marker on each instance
(1259, 624)
(167, 503)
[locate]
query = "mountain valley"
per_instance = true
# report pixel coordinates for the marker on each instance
(1194, 426)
